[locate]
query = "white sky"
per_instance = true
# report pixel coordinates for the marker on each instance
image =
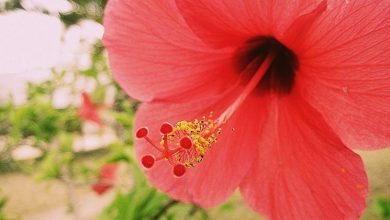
(28, 41)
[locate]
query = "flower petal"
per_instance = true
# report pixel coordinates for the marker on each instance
(88, 111)
(225, 23)
(303, 171)
(154, 55)
(345, 72)
(215, 178)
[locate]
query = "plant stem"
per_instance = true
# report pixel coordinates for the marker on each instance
(164, 209)
(193, 210)
(71, 200)
(196, 209)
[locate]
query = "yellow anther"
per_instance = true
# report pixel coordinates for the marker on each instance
(203, 134)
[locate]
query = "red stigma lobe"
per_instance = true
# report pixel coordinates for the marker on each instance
(183, 145)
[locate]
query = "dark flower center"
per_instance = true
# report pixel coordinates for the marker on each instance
(280, 75)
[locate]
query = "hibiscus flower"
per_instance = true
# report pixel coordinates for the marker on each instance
(265, 96)
(107, 179)
(88, 111)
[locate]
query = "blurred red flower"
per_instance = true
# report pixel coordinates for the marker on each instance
(88, 111)
(294, 85)
(107, 179)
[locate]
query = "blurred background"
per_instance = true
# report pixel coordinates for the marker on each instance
(65, 126)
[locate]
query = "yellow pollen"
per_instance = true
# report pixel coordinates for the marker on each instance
(203, 134)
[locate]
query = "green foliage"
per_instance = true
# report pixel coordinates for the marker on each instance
(11, 5)
(4, 118)
(90, 9)
(98, 59)
(383, 207)
(228, 206)
(145, 202)
(3, 201)
(49, 167)
(55, 160)
(41, 90)
(34, 119)
(141, 202)
(39, 119)
(126, 120)
(69, 120)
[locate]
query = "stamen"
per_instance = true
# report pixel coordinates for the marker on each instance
(183, 145)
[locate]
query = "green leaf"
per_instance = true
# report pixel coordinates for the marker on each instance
(49, 167)
(36, 119)
(141, 202)
(383, 207)
(5, 124)
(228, 206)
(3, 201)
(65, 142)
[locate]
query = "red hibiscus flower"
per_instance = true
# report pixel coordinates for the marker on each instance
(107, 179)
(88, 111)
(292, 85)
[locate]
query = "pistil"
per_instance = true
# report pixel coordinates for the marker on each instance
(254, 81)
(184, 145)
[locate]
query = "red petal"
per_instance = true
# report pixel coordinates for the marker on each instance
(101, 188)
(154, 55)
(108, 172)
(86, 99)
(296, 33)
(215, 178)
(227, 23)
(88, 111)
(345, 72)
(303, 171)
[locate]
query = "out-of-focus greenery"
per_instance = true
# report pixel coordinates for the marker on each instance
(145, 202)
(141, 202)
(91, 9)
(41, 120)
(383, 208)
(2, 204)
(10, 5)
